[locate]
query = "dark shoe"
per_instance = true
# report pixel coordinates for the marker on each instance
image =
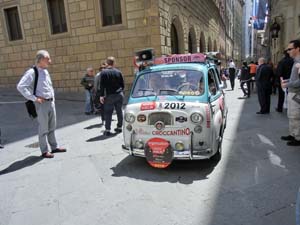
(58, 150)
(87, 113)
(107, 133)
(262, 112)
(47, 155)
(278, 110)
(293, 143)
(118, 130)
(287, 138)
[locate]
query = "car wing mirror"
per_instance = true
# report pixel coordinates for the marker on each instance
(221, 86)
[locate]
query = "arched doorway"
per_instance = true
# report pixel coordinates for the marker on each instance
(174, 40)
(209, 45)
(176, 34)
(190, 43)
(215, 46)
(192, 46)
(202, 43)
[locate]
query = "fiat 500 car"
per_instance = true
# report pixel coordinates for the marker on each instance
(176, 110)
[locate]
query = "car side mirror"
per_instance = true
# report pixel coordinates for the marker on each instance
(221, 86)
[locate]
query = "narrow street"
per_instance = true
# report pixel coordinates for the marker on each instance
(96, 183)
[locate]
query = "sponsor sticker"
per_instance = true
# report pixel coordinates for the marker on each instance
(179, 132)
(181, 119)
(148, 106)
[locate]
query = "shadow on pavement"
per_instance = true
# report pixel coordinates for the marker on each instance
(101, 137)
(185, 172)
(21, 164)
(94, 126)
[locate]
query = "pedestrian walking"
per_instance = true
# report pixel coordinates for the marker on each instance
(263, 78)
(245, 79)
(293, 99)
(232, 71)
(252, 66)
(283, 71)
(99, 107)
(111, 94)
(44, 102)
(88, 83)
(224, 77)
(271, 64)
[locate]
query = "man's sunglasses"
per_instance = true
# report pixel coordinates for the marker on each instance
(289, 49)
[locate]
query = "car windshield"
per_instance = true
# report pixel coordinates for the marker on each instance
(171, 82)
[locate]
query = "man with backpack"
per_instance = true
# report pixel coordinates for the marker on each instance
(43, 100)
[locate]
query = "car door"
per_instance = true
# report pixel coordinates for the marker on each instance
(216, 98)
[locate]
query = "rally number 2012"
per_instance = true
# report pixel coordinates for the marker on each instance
(174, 105)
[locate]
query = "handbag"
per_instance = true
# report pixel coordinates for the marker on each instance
(30, 104)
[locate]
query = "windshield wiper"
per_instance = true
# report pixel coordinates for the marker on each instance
(173, 91)
(168, 91)
(153, 93)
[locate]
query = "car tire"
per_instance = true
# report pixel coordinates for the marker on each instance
(218, 155)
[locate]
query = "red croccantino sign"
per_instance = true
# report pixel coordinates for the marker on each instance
(158, 152)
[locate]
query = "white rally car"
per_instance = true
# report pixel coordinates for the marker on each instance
(176, 110)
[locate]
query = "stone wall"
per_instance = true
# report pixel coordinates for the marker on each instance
(85, 44)
(145, 24)
(201, 18)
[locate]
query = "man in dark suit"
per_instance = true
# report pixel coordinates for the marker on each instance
(263, 78)
(283, 71)
(111, 94)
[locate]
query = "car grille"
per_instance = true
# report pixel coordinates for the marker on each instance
(166, 118)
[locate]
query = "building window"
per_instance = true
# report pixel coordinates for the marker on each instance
(56, 9)
(111, 12)
(13, 23)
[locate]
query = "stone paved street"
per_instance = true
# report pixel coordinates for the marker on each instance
(255, 182)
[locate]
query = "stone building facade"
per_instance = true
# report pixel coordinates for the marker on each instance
(82, 33)
(286, 13)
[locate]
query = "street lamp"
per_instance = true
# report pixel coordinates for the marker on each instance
(275, 28)
(250, 26)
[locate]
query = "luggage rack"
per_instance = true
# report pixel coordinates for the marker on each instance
(145, 58)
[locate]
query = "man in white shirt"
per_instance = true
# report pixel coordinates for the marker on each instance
(44, 102)
(293, 98)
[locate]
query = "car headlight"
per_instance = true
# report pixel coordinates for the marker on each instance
(129, 118)
(196, 118)
(139, 144)
(179, 146)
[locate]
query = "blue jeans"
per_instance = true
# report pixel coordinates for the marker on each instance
(114, 101)
(298, 208)
(88, 101)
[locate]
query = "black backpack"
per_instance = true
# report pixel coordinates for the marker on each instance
(30, 104)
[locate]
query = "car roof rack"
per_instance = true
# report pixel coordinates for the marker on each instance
(145, 58)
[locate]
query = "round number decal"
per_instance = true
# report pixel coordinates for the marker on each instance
(158, 152)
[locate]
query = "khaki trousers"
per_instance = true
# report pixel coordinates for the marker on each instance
(294, 116)
(47, 124)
